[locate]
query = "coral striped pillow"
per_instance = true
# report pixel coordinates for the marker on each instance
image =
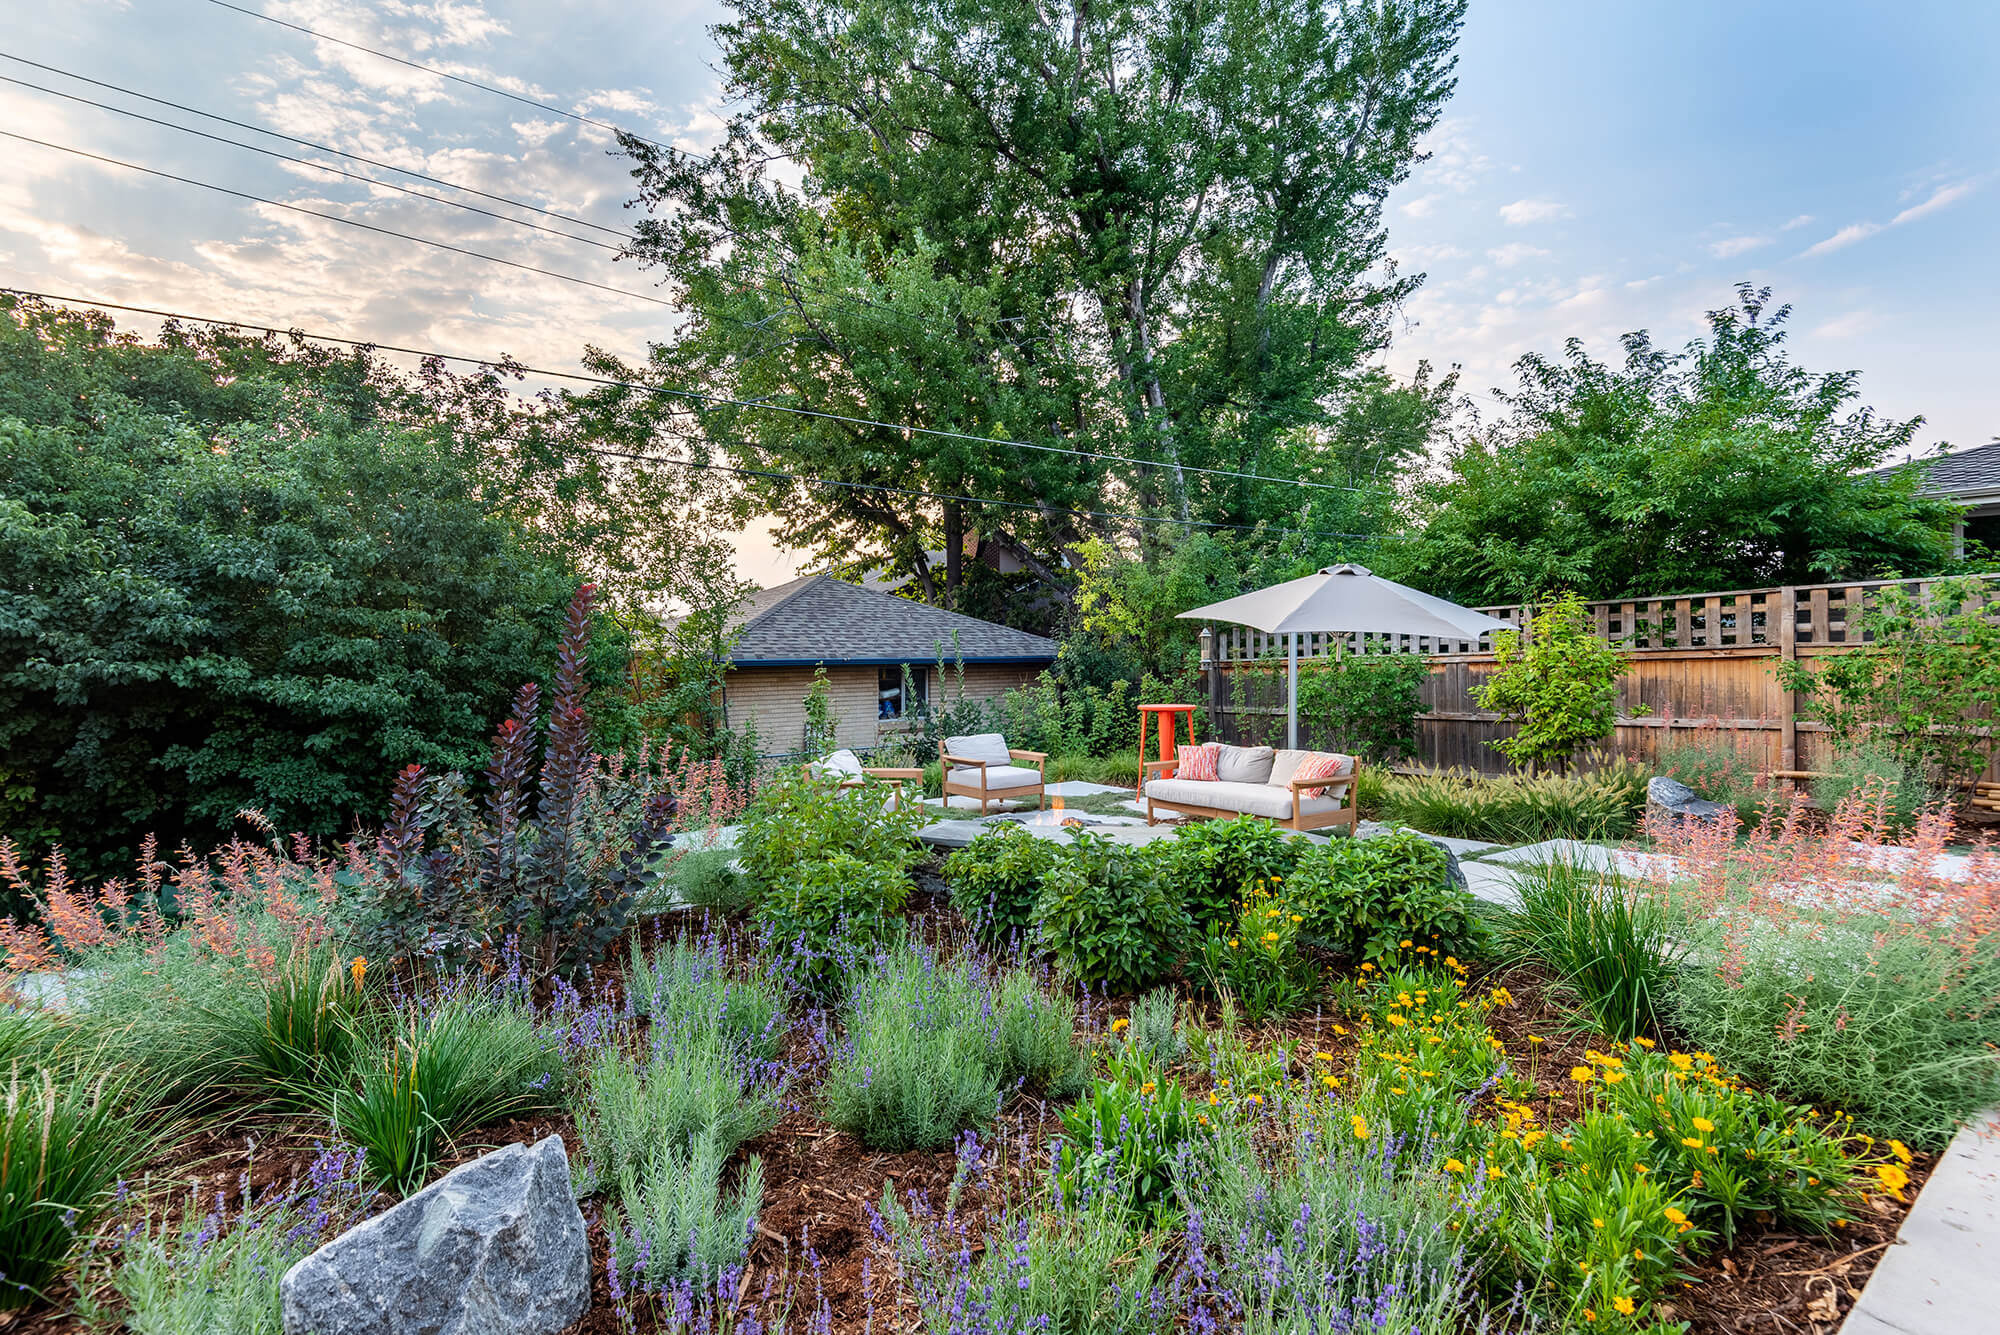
(1197, 762)
(1322, 765)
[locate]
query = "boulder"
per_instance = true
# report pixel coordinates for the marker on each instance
(1676, 801)
(496, 1247)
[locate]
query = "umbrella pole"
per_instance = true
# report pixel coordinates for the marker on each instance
(1292, 693)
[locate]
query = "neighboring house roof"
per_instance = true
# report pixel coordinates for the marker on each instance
(1966, 475)
(819, 619)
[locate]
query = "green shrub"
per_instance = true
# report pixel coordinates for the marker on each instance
(705, 880)
(1873, 774)
(829, 915)
(1153, 1030)
(1604, 804)
(797, 819)
(1364, 704)
(1256, 960)
(1720, 771)
(1108, 918)
(1610, 945)
(673, 1224)
(1212, 864)
(1038, 1037)
(688, 987)
(1364, 897)
(996, 880)
(63, 1148)
(1558, 683)
(421, 1079)
(691, 1085)
(1859, 1013)
(1126, 1136)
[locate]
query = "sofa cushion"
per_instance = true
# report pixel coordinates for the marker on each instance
(1244, 764)
(1256, 799)
(1324, 765)
(1282, 765)
(997, 777)
(1197, 762)
(990, 747)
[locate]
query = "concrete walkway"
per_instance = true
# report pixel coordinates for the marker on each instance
(1942, 1276)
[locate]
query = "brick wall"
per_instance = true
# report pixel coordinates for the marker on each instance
(775, 697)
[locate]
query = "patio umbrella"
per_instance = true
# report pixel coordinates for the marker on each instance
(1343, 600)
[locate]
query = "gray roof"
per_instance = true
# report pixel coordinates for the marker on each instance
(1973, 472)
(820, 619)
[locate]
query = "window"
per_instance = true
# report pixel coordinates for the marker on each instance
(890, 693)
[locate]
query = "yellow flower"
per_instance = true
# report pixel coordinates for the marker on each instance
(1406, 945)
(1589, 1315)
(1702, 1124)
(1645, 1043)
(1330, 1082)
(1297, 918)
(1613, 1077)
(1341, 1031)
(1580, 1074)
(1232, 943)
(1536, 1038)
(1453, 1166)
(1271, 913)
(1900, 1150)
(1624, 1305)
(1270, 936)
(1494, 1174)
(1892, 1178)
(1146, 1088)
(358, 969)
(1360, 1125)
(1120, 1025)
(1692, 1142)
(1396, 1089)
(1322, 1056)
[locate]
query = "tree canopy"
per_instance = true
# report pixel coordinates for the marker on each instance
(1149, 230)
(1722, 466)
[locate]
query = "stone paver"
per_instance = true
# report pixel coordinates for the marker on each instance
(1465, 848)
(1078, 788)
(1493, 883)
(700, 841)
(1647, 866)
(1942, 1276)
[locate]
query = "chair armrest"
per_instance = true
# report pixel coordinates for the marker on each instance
(1156, 766)
(885, 773)
(963, 763)
(1029, 755)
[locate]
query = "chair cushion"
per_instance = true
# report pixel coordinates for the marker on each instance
(1197, 762)
(990, 747)
(997, 777)
(1245, 764)
(1325, 765)
(841, 765)
(1256, 799)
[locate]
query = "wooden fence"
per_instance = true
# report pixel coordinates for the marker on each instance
(1702, 661)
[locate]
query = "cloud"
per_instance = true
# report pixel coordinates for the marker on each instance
(1846, 326)
(1730, 247)
(1524, 211)
(1421, 207)
(1513, 253)
(1943, 197)
(1451, 162)
(1795, 223)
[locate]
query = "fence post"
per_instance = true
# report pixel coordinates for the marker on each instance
(1788, 652)
(1211, 668)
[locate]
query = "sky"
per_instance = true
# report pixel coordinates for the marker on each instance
(1601, 168)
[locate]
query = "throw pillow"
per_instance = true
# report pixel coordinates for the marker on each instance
(1323, 765)
(1196, 762)
(1245, 764)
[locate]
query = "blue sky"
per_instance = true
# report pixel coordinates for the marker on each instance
(1603, 167)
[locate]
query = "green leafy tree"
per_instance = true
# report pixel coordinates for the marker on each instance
(1724, 466)
(1148, 230)
(1558, 683)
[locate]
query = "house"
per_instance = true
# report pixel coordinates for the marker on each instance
(865, 639)
(1972, 478)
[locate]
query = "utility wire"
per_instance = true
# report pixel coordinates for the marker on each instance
(699, 397)
(350, 222)
(461, 79)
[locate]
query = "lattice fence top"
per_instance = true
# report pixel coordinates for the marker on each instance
(1816, 615)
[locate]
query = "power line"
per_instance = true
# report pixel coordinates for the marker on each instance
(681, 393)
(462, 79)
(350, 222)
(316, 166)
(308, 143)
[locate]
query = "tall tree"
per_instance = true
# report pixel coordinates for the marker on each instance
(1144, 229)
(1723, 466)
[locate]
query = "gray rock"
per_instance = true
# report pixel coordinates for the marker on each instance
(496, 1247)
(1677, 801)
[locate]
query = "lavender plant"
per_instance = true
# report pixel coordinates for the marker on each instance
(674, 1223)
(693, 1084)
(686, 987)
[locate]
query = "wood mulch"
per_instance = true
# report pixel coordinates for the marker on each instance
(815, 1231)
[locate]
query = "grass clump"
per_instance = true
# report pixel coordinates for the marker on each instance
(1613, 947)
(64, 1145)
(707, 880)
(1154, 1029)
(1603, 804)
(930, 1045)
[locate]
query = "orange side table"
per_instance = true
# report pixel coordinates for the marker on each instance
(1167, 715)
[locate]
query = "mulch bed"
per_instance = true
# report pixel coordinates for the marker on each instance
(819, 1184)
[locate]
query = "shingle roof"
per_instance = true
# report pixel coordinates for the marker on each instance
(1968, 473)
(819, 619)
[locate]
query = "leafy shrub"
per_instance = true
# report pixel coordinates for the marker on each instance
(63, 1148)
(1720, 771)
(220, 1273)
(1364, 704)
(673, 1223)
(1558, 683)
(421, 1079)
(1127, 1136)
(1871, 773)
(1212, 864)
(1256, 959)
(1365, 897)
(1605, 804)
(706, 880)
(691, 987)
(830, 914)
(1612, 946)
(797, 819)
(1107, 918)
(693, 1084)
(1153, 1030)
(996, 880)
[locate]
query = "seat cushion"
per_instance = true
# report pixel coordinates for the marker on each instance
(1245, 764)
(1197, 762)
(1255, 799)
(997, 777)
(1325, 765)
(990, 747)
(839, 765)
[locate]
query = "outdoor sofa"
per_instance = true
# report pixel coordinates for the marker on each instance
(1255, 781)
(981, 766)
